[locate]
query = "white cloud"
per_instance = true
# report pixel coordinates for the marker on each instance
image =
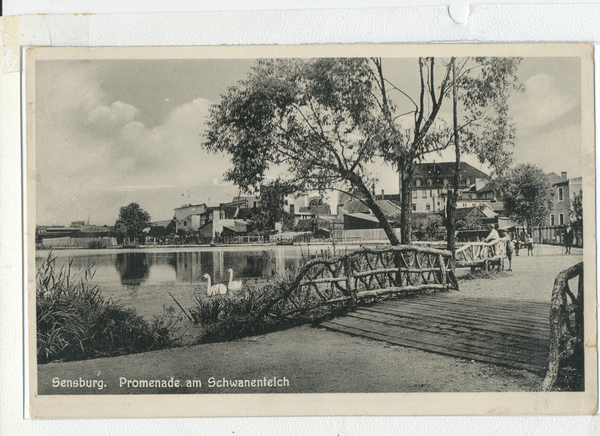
(111, 158)
(118, 113)
(542, 103)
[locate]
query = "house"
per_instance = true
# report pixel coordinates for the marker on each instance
(356, 215)
(360, 221)
(190, 217)
(247, 201)
(481, 216)
(564, 190)
(161, 228)
(431, 182)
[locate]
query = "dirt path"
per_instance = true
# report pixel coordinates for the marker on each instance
(308, 359)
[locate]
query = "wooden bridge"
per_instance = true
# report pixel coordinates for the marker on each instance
(508, 333)
(482, 254)
(512, 333)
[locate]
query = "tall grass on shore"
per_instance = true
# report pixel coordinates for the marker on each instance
(74, 321)
(225, 319)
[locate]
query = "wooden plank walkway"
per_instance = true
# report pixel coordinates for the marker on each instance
(515, 334)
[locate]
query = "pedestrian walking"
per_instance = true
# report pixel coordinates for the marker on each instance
(529, 245)
(510, 248)
(568, 239)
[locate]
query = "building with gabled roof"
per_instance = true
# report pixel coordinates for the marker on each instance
(431, 182)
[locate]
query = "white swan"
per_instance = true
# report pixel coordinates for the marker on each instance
(234, 286)
(219, 288)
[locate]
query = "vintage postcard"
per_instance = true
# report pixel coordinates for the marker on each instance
(310, 230)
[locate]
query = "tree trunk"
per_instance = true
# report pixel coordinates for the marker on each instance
(387, 228)
(456, 179)
(371, 204)
(406, 174)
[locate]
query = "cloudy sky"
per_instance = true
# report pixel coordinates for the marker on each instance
(111, 132)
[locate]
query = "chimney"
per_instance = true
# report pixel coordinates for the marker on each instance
(564, 175)
(382, 194)
(373, 190)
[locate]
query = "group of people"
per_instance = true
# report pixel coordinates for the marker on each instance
(511, 247)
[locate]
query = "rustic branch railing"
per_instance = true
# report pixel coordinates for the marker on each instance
(566, 337)
(481, 254)
(365, 273)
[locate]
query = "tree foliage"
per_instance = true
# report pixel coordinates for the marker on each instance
(527, 195)
(271, 209)
(319, 119)
(324, 120)
(486, 129)
(131, 221)
(577, 209)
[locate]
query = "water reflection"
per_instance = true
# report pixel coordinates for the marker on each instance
(141, 279)
(133, 268)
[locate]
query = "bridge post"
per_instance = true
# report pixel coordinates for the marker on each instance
(351, 292)
(442, 270)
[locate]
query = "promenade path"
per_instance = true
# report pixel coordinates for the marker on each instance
(506, 325)
(320, 360)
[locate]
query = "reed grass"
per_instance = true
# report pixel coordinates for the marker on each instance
(74, 321)
(225, 319)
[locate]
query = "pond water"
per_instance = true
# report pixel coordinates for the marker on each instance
(143, 278)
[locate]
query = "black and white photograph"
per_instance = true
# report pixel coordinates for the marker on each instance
(310, 230)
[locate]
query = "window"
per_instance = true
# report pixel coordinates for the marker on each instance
(414, 207)
(430, 193)
(185, 223)
(560, 194)
(418, 182)
(552, 220)
(424, 193)
(415, 194)
(428, 207)
(438, 204)
(561, 219)
(468, 181)
(286, 202)
(429, 182)
(445, 182)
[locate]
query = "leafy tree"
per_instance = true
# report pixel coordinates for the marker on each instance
(317, 118)
(577, 210)
(527, 195)
(427, 226)
(131, 221)
(480, 90)
(271, 209)
(323, 120)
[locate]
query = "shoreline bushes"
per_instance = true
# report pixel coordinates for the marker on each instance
(75, 322)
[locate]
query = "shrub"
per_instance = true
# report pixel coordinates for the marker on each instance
(74, 321)
(96, 244)
(225, 319)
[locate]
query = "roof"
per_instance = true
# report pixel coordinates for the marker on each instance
(363, 216)
(236, 227)
(388, 207)
(489, 187)
(555, 179)
(163, 223)
(441, 169)
(481, 210)
(185, 206)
